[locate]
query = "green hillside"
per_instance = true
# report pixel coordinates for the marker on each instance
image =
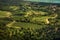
(29, 21)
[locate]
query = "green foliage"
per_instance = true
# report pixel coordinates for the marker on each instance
(29, 21)
(47, 33)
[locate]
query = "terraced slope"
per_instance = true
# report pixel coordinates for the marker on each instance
(29, 21)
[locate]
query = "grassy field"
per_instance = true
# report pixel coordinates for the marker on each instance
(29, 21)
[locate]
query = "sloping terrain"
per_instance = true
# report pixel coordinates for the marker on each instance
(29, 21)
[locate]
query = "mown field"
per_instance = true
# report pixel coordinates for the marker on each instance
(29, 21)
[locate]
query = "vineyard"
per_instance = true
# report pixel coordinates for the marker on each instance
(29, 21)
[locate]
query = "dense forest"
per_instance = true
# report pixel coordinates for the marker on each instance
(21, 20)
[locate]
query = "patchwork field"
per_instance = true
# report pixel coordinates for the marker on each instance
(29, 21)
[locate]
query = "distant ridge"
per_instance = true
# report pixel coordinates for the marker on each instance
(18, 3)
(44, 3)
(48, 1)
